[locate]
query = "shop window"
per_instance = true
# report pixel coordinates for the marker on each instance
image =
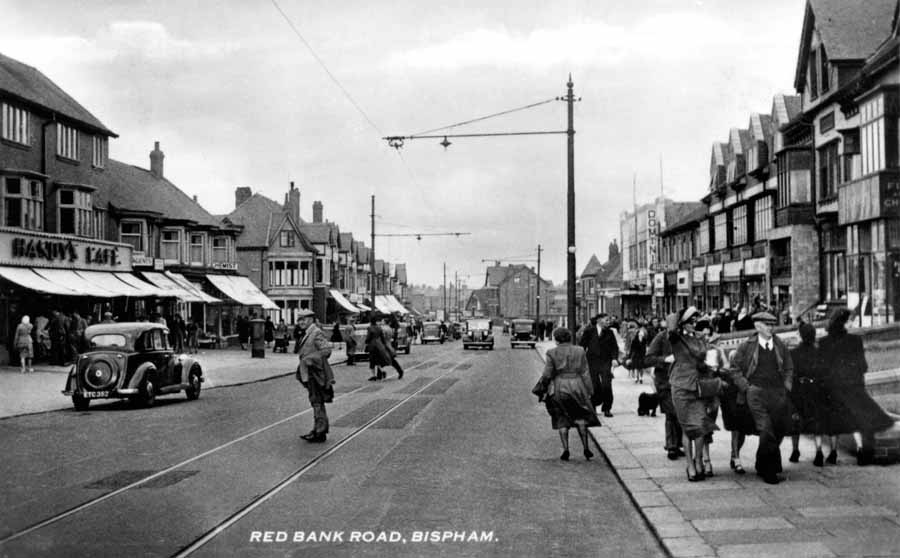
(15, 124)
(220, 249)
(132, 232)
(197, 242)
(75, 215)
(170, 244)
(286, 239)
(23, 203)
(66, 141)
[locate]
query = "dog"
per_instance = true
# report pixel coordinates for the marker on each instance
(647, 404)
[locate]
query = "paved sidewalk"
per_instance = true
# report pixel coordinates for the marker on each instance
(40, 391)
(837, 510)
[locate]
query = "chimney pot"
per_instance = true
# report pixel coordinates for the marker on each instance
(242, 194)
(156, 161)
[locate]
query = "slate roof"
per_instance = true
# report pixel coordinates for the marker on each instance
(677, 212)
(850, 30)
(257, 215)
(30, 84)
(362, 252)
(132, 188)
(318, 233)
(719, 153)
(612, 272)
(691, 215)
(346, 242)
(592, 267)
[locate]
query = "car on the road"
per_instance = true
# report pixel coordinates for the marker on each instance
(402, 339)
(479, 333)
(432, 333)
(521, 332)
(359, 335)
(401, 342)
(131, 360)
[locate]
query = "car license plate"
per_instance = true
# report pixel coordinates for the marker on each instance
(94, 394)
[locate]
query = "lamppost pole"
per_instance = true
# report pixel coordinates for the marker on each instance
(537, 312)
(570, 197)
(372, 255)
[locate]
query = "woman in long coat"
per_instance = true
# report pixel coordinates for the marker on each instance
(850, 408)
(380, 350)
(688, 356)
(808, 396)
(569, 389)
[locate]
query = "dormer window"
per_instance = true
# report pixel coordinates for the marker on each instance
(132, 232)
(824, 73)
(15, 124)
(286, 239)
(813, 67)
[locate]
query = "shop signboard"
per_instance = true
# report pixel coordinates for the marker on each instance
(699, 273)
(683, 282)
(713, 274)
(659, 284)
(756, 266)
(732, 270)
(34, 249)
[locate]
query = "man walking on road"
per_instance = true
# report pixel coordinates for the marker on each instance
(314, 372)
(602, 349)
(767, 374)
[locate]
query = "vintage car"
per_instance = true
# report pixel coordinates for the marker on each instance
(521, 333)
(133, 361)
(479, 333)
(400, 342)
(431, 333)
(402, 339)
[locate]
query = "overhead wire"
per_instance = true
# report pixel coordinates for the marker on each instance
(479, 119)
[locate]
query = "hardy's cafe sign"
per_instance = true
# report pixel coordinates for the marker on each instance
(24, 249)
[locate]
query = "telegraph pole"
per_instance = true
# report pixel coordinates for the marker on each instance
(444, 289)
(372, 255)
(537, 313)
(570, 196)
(456, 288)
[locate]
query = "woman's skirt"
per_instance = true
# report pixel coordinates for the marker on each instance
(692, 413)
(850, 408)
(809, 403)
(736, 416)
(570, 402)
(25, 350)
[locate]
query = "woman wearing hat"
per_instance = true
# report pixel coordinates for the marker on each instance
(808, 397)
(850, 408)
(687, 358)
(379, 348)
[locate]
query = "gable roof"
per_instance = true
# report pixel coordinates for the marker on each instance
(256, 215)
(31, 85)
(850, 30)
(593, 266)
(318, 233)
(132, 188)
(346, 242)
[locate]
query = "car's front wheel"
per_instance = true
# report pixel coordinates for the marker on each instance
(408, 348)
(80, 402)
(147, 393)
(193, 389)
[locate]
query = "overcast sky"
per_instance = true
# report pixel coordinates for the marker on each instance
(236, 98)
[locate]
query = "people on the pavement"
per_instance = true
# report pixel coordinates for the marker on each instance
(314, 372)
(24, 345)
(767, 376)
(350, 342)
(808, 397)
(268, 331)
(568, 386)
(601, 349)
(688, 355)
(637, 351)
(710, 384)
(659, 349)
(850, 408)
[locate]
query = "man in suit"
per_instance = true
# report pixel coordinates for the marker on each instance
(314, 372)
(602, 349)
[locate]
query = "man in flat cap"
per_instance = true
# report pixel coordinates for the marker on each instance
(766, 377)
(314, 372)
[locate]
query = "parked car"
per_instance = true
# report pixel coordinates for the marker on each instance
(359, 334)
(521, 332)
(479, 333)
(131, 360)
(431, 333)
(402, 339)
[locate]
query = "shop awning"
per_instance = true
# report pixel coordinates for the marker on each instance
(382, 304)
(242, 290)
(343, 302)
(192, 287)
(171, 287)
(112, 283)
(392, 300)
(145, 288)
(26, 277)
(363, 307)
(71, 280)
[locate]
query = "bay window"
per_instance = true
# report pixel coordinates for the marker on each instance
(23, 203)
(304, 274)
(75, 212)
(99, 152)
(196, 248)
(170, 244)
(829, 170)
(132, 232)
(220, 249)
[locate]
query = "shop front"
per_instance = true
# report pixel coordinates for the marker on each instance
(683, 285)
(755, 272)
(732, 294)
(713, 287)
(698, 286)
(41, 273)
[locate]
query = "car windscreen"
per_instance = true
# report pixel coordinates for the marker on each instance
(522, 327)
(432, 329)
(478, 324)
(108, 340)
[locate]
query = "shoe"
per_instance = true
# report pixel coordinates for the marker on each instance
(382, 374)
(739, 469)
(795, 456)
(309, 436)
(399, 374)
(690, 477)
(641, 381)
(373, 378)
(565, 455)
(819, 459)
(672, 455)
(707, 468)
(771, 479)
(832, 458)
(31, 370)
(864, 457)
(318, 438)
(607, 414)
(680, 452)
(588, 454)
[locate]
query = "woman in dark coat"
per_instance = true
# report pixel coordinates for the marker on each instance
(637, 351)
(269, 331)
(688, 356)
(569, 388)
(808, 396)
(380, 351)
(736, 415)
(659, 349)
(850, 408)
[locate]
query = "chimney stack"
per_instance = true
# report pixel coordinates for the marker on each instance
(613, 250)
(195, 198)
(292, 203)
(317, 212)
(156, 161)
(241, 194)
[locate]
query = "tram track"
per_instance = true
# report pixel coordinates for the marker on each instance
(428, 363)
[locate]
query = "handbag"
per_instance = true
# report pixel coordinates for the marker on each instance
(540, 389)
(708, 387)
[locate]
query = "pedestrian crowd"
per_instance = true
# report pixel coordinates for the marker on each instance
(761, 389)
